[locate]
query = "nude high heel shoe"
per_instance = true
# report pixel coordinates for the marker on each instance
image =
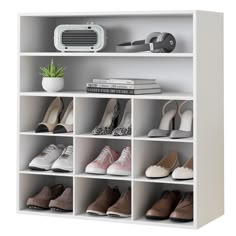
(51, 117)
(66, 124)
(185, 129)
(109, 119)
(124, 128)
(165, 124)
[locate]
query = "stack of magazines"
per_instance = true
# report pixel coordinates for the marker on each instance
(124, 86)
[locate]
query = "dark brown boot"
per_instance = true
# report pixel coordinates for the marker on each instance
(106, 199)
(184, 210)
(122, 208)
(63, 202)
(164, 206)
(41, 200)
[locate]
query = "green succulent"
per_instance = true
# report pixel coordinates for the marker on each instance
(52, 70)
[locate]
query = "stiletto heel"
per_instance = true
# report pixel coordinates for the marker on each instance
(124, 128)
(109, 119)
(66, 124)
(185, 129)
(51, 117)
(164, 127)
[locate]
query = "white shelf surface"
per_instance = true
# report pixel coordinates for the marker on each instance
(47, 134)
(46, 212)
(84, 94)
(165, 223)
(89, 135)
(105, 54)
(104, 218)
(167, 180)
(49, 172)
(165, 139)
(112, 13)
(108, 177)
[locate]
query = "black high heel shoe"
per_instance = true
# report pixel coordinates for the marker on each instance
(110, 118)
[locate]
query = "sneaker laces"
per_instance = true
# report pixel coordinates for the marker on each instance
(124, 155)
(67, 151)
(103, 154)
(47, 150)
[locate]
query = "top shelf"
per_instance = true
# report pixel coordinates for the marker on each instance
(104, 54)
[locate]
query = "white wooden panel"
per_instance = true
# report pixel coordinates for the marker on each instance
(209, 117)
(173, 74)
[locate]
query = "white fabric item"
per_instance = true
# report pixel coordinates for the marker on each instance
(65, 161)
(182, 173)
(156, 172)
(46, 158)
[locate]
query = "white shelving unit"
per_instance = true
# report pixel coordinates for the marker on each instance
(194, 71)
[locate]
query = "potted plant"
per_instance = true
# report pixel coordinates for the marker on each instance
(53, 77)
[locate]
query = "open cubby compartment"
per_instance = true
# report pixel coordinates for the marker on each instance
(153, 115)
(148, 153)
(32, 145)
(146, 194)
(173, 74)
(30, 185)
(33, 110)
(87, 190)
(37, 32)
(89, 113)
(87, 149)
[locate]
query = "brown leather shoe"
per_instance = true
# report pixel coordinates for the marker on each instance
(105, 199)
(41, 200)
(184, 210)
(164, 206)
(122, 208)
(63, 202)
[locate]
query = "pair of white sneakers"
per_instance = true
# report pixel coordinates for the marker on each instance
(54, 157)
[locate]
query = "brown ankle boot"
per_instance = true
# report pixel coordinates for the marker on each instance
(63, 202)
(41, 200)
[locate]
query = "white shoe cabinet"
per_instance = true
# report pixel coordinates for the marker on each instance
(194, 71)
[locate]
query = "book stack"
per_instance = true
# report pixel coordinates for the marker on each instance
(124, 86)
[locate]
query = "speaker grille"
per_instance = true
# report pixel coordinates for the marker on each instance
(79, 38)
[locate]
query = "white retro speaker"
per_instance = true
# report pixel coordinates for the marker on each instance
(79, 38)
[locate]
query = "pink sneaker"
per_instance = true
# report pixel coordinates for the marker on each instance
(123, 165)
(102, 162)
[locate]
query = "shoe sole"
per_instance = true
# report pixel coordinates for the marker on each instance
(157, 177)
(182, 179)
(61, 170)
(156, 218)
(117, 214)
(59, 209)
(119, 172)
(181, 220)
(95, 171)
(97, 213)
(33, 207)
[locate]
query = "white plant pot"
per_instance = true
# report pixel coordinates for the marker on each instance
(52, 84)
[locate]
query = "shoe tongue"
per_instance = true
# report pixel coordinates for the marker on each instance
(165, 194)
(46, 190)
(61, 146)
(52, 145)
(107, 148)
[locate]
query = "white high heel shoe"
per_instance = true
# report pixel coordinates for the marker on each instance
(124, 128)
(66, 124)
(185, 129)
(165, 124)
(51, 117)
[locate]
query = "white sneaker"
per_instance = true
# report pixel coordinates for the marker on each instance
(46, 158)
(65, 162)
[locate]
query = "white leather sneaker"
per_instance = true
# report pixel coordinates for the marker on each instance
(46, 158)
(65, 162)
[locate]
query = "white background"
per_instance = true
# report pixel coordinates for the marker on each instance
(12, 223)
